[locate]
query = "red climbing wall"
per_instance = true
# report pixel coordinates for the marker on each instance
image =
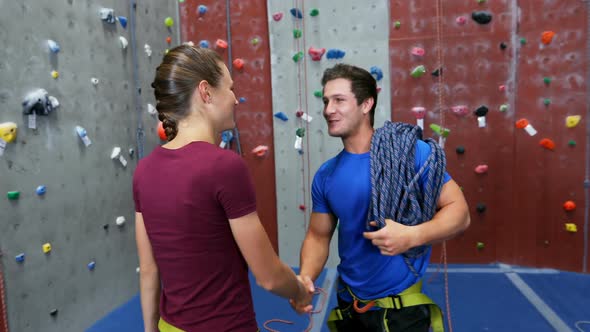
(526, 185)
(254, 117)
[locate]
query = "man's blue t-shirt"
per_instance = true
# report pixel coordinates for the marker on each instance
(342, 187)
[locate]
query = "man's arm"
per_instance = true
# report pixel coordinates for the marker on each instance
(316, 245)
(451, 219)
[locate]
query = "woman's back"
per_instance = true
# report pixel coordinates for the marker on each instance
(186, 197)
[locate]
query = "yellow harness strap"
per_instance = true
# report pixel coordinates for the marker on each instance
(163, 326)
(410, 297)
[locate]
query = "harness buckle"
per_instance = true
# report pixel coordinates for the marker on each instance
(396, 299)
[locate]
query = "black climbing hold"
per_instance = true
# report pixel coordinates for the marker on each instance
(437, 72)
(481, 111)
(503, 45)
(105, 227)
(481, 207)
(53, 312)
(460, 149)
(481, 17)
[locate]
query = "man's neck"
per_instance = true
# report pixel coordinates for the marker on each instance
(360, 142)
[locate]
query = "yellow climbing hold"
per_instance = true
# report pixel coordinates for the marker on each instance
(571, 227)
(572, 120)
(54, 74)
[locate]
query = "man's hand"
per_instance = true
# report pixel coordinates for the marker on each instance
(303, 302)
(393, 239)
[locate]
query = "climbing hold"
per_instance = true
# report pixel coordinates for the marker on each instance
(254, 41)
(547, 101)
(91, 266)
(547, 144)
(437, 72)
(461, 20)
(147, 49)
(53, 312)
(335, 54)
(503, 45)
(314, 12)
(397, 24)
(503, 108)
(260, 151)
(316, 53)
(8, 131)
(569, 206)
(277, 16)
(168, 39)
(161, 131)
(318, 93)
(418, 51)
(547, 37)
(220, 43)
(53, 46)
(460, 110)
(547, 80)
(116, 154)
(481, 17)
(481, 169)
(19, 258)
(419, 113)
(120, 221)
(151, 109)
(480, 207)
(418, 71)
(189, 43)
(281, 116)
(480, 245)
(54, 74)
(13, 195)
(46, 248)
(226, 137)
(378, 89)
(300, 132)
(460, 150)
(131, 152)
(572, 120)
(296, 13)
(242, 100)
(522, 41)
(301, 207)
(107, 15)
(481, 111)
(303, 116)
(376, 72)
(502, 88)
(41, 190)
(168, 22)
(83, 135)
(524, 124)
(481, 1)
(238, 64)
(123, 21)
(297, 56)
(442, 132)
(202, 9)
(123, 42)
(94, 81)
(571, 143)
(39, 102)
(297, 33)
(571, 227)
(204, 44)
(166, 51)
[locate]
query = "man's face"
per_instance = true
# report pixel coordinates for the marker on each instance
(341, 110)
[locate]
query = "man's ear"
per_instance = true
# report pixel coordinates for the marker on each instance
(204, 91)
(367, 105)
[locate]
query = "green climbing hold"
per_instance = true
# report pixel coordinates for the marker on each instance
(460, 149)
(318, 93)
(571, 143)
(481, 1)
(397, 24)
(522, 41)
(480, 245)
(314, 12)
(547, 80)
(444, 132)
(297, 33)
(169, 22)
(181, 1)
(300, 132)
(298, 56)
(255, 41)
(418, 71)
(13, 195)
(503, 108)
(547, 101)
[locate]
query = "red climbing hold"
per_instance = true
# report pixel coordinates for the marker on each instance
(547, 144)
(238, 64)
(316, 53)
(161, 131)
(569, 206)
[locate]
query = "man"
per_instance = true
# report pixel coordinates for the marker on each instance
(375, 264)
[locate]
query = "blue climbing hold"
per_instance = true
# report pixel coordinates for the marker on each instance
(19, 258)
(91, 266)
(227, 136)
(296, 13)
(282, 116)
(202, 9)
(242, 100)
(123, 21)
(335, 54)
(53, 46)
(377, 72)
(41, 190)
(204, 44)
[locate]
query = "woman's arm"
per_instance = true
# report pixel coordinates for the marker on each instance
(149, 277)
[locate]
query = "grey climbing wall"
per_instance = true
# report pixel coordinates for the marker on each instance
(86, 190)
(364, 40)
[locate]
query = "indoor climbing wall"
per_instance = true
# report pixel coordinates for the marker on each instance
(66, 228)
(511, 89)
(308, 37)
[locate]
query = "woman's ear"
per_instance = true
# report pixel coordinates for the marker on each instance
(204, 91)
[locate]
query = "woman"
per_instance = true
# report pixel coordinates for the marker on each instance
(197, 229)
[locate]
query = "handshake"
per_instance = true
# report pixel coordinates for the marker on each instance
(302, 302)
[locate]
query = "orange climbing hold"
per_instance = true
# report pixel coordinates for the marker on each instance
(547, 37)
(161, 131)
(169, 39)
(547, 144)
(569, 206)
(260, 151)
(238, 64)
(220, 43)
(520, 124)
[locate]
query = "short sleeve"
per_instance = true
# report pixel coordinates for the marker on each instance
(422, 153)
(318, 197)
(235, 189)
(136, 190)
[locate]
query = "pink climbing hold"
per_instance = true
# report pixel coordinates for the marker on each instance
(461, 20)
(460, 110)
(481, 169)
(220, 43)
(502, 88)
(418, 51)
(316, 53)
(260, 151)
(277, 16)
